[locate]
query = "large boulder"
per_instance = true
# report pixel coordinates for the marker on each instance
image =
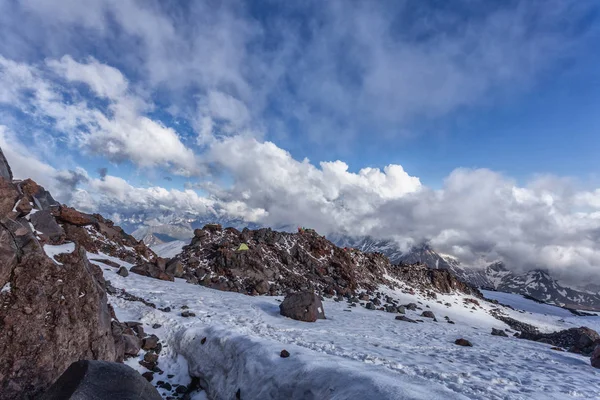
(101, 380)
(52, 314)
(74, 217)
(302, 306)
(175, 267)
(151, 270)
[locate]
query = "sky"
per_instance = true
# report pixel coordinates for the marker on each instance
(469, 124)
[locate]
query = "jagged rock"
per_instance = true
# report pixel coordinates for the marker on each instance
(66, 301)
(405, 319)
(284, 354)
(463, 342)
(133, 344)
(174, 267)
(370, 306)
(151, 357)
(498, 332)
(556, 348)
(87, 379)
(428, 314)
(42, 199)
(411, 307)
(595, 359)
(302, 306)
(74, 217)
(391, 309)
(151, 270)
(581, 340)
(23, 207)
(123, 272)
(8, 197)
(43, 221)
(150, 342)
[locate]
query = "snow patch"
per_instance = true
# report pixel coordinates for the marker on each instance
(52, 251)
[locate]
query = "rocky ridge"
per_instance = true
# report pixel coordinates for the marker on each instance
(279, 262)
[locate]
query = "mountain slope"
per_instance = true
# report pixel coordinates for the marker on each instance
(368, 244)
(537, 283)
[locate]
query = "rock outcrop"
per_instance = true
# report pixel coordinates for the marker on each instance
(302, 306)
(53, 299)
(581, 340)
(264, 261)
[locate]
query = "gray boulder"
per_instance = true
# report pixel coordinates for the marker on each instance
(302, 306)
(498, 332)
(101, 380)
(428, 314)
(44, 221)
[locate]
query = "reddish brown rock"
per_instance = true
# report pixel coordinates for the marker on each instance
(74, 217)
(23, 207)
(53, 315)
(463, 342)
(151, 270)
(8, 197)
(302, 306)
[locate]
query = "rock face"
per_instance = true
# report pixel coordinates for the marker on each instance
(442, 281)
(302, 306)
(99, 380)
(51, 316)
(53, 310)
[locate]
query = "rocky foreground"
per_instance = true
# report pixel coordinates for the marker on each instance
(54, 310)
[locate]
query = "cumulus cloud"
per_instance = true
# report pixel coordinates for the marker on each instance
(120, 133)
(236, 78)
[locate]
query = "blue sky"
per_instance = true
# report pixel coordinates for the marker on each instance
(390, 118)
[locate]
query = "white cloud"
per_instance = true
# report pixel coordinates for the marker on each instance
(121, 133)
(104, 80)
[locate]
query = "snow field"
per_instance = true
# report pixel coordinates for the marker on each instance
(354, 353)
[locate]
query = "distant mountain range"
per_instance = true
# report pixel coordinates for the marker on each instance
(496, 276)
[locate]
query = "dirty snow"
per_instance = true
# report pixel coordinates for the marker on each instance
(52, 251)
(355, 352)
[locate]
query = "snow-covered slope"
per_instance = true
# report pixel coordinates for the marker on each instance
(537, 283)
(368, 244)
(169, 249)
(234, 342)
